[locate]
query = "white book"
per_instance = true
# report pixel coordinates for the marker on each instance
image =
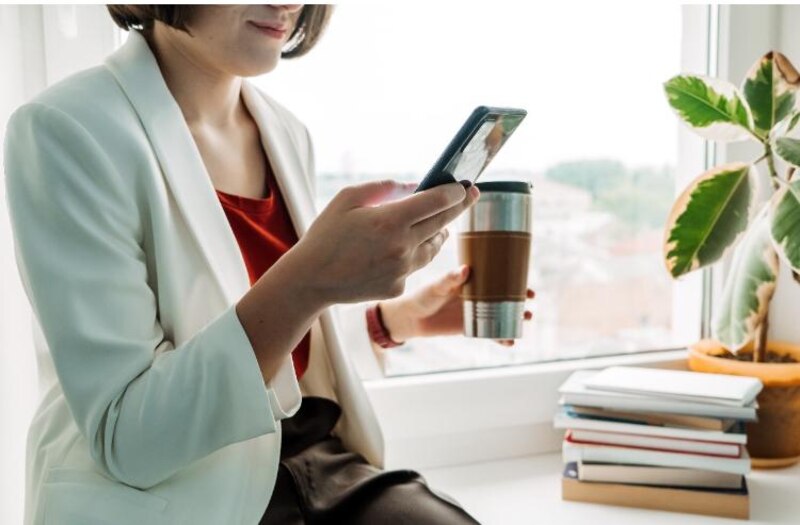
(658, 419)
(641, 456)
(575, 392)
(701, 387)
(730, 450)
(566, 421)
(664, 476)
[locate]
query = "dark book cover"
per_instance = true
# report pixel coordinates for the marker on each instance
(729, 503)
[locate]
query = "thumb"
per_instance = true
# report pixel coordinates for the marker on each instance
(375, 192)
(453, 280)
(432, 297)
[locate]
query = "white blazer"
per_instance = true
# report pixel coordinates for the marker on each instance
(153, 408)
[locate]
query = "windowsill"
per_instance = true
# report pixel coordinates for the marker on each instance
(528, 490)
(456, 418)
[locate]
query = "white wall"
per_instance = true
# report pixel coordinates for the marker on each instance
(747, 33)
(785, 303)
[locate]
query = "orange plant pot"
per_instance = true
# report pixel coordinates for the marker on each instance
(773, 441)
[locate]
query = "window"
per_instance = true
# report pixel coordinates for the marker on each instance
(384, 92)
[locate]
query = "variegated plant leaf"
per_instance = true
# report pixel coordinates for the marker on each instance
(712, 108)
(749, 287)
(793, 121)
(785, 222)
(770, 89)
(789, 150)
(708, 217)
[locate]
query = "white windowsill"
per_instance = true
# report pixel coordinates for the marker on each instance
(457, 418)
(528, 490)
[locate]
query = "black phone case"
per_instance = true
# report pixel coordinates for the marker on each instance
(437, 174)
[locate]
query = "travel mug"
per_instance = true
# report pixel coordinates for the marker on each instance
(494, 240)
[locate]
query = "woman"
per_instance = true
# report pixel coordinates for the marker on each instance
(166, 237)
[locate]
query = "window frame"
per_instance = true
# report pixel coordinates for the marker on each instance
(695, 290)
(510, 409)
(503, 412)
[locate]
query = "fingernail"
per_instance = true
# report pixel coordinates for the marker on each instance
(465, 183)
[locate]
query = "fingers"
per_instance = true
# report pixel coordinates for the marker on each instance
(420, 206)
(425, 228)
(374, 192)
(510, 342)
(426, 251)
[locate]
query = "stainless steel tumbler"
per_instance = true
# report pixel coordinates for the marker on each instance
(494, 241)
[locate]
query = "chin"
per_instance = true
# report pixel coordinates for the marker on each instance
(254, 70)
(258, 68)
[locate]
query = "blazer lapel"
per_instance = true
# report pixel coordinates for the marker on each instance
(137, 72)
(284, 158)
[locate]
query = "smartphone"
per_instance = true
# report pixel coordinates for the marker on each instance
(474, 146)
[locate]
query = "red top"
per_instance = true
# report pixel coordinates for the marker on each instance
(264, 232)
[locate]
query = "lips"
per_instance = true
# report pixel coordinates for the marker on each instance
(271, 28)
(275, 26)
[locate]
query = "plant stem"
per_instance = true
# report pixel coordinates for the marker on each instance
(758, 137)
(759, 159)
(773, 174)
(760, 350)
(760, 336)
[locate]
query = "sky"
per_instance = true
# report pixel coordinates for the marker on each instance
(388, 85)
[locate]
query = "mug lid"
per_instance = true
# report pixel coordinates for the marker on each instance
(512, 186)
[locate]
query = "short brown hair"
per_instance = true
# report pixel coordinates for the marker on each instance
(310, 25)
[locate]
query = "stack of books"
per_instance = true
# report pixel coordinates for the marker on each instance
(658, 439)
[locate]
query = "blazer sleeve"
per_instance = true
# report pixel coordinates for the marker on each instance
(146, 407)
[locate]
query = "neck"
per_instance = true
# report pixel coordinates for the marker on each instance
(206, 96)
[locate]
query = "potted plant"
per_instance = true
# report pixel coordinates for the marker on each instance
(723, 208)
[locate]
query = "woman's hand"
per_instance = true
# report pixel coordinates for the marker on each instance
(356, 250)
(435, 309)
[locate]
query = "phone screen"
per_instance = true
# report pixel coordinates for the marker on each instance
(479, 150)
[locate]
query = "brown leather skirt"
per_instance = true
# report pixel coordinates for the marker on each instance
(320, 482)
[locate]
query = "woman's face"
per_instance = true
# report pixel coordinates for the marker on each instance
(228, 38)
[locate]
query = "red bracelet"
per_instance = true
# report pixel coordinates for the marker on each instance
(377, 330)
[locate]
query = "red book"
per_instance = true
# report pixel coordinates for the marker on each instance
(602, 453)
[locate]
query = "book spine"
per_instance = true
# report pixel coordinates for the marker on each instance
(632, 456)
(592, 425)
(674, 500)
(649, 405)
(658, 444)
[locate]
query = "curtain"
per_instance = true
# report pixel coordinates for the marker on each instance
(22, 68)
(39, 45)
